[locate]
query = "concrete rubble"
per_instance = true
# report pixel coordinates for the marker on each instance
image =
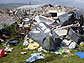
(47, 27)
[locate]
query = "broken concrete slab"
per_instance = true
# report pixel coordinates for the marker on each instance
(61, 32)
(48, 21)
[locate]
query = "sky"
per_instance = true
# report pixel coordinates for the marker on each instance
(41, 1)
(74, 3)
(18, 1)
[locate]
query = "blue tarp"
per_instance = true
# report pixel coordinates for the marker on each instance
(80, 54)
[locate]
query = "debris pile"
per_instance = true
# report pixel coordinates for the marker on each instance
(49, 28)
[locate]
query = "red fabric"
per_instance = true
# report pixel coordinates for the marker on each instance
(2, 53)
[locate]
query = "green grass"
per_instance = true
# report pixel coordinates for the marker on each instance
(16, 57)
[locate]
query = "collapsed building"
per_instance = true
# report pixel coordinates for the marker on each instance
(51, 26)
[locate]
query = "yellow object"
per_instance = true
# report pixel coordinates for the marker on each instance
(30, 40)
(81, 44)
(40, 47)
(32, 46)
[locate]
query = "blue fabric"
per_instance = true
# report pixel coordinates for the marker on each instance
(34, 57)
(80, 54)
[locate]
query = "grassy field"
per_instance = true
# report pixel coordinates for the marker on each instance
(16, 57)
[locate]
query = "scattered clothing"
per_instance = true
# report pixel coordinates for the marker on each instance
(34, 57)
